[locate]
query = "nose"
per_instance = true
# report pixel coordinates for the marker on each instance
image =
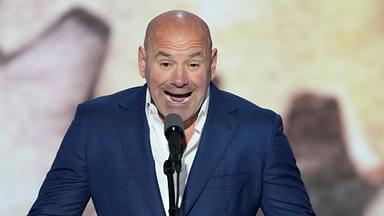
(179, 77)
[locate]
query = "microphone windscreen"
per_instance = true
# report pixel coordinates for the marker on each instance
(172, 120)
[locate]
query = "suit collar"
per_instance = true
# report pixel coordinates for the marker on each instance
(135, 143)
(218, 131)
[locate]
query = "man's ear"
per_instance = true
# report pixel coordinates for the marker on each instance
(141, 55)
(213, 63)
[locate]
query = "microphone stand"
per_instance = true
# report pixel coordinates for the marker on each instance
(170, 166)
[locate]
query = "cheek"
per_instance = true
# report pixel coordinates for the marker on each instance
(201, 80)
(155, 79)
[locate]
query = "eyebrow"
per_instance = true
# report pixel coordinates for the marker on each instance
(196, 54)
(162, 53)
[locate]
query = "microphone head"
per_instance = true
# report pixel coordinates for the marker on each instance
(174, 132)
(173, 120)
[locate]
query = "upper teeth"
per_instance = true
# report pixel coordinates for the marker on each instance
(174, 99)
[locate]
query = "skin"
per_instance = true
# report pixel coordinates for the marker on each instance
(178, 63)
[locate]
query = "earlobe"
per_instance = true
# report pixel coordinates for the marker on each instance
(141, 61)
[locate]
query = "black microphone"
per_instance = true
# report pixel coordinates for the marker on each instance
(174, 132)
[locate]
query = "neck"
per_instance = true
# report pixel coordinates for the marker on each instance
(189, 127)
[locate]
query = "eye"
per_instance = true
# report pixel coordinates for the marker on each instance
(194, 66)
(165, 65)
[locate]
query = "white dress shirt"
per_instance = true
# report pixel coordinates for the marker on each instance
(160, 150)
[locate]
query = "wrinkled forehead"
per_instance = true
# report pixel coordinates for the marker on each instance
(178, 37)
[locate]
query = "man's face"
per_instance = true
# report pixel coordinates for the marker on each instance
(178, 67)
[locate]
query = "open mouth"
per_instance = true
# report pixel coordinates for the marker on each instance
(177, 98)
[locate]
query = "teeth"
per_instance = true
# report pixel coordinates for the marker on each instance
(177, 100)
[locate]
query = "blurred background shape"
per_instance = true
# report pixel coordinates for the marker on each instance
(315, 127)
(40, 86)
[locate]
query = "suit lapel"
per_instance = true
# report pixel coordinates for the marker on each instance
(217, 133)
(132, 129)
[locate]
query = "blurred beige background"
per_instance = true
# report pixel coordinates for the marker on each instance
(269, 51)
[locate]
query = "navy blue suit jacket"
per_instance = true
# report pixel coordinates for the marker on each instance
(244, 162)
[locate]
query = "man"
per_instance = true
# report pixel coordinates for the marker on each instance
(236, 160)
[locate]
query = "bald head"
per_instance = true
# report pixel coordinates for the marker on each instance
(176, 22)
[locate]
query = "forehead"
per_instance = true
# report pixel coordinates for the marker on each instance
(178, 39)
